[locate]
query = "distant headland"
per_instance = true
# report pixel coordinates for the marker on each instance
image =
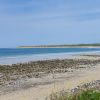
(62, 46)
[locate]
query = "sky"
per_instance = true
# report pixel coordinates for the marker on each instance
(45, 22)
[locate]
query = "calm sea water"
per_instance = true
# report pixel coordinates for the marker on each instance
(9, 52)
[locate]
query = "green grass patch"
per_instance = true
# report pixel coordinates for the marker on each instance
(81, 95)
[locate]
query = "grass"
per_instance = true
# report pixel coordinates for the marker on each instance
(82, 95)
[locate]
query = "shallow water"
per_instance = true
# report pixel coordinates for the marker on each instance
(13, 56)
(12, 52)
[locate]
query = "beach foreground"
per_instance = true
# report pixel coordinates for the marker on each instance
(37, 80)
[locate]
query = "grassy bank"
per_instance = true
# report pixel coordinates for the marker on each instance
(88, 91)
(81, 95)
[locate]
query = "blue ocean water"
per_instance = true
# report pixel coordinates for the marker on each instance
(11, 52)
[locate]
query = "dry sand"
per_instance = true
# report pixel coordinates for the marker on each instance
(64, 81)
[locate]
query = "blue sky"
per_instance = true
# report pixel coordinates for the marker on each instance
(42, 22)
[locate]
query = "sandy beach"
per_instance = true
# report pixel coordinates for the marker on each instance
(65, 75)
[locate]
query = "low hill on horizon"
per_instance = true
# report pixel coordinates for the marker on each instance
(68, 45)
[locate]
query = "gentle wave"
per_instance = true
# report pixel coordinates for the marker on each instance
(38, 57)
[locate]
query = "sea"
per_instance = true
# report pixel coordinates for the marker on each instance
(20, 55)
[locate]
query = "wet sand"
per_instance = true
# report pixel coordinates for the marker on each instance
(54, 82)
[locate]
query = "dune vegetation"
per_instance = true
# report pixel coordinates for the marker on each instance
(87, 91)
(81, 95)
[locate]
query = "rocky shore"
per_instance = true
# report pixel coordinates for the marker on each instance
(94, 85)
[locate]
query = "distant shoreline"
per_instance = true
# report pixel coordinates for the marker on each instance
(60, 47)
(64, 46)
